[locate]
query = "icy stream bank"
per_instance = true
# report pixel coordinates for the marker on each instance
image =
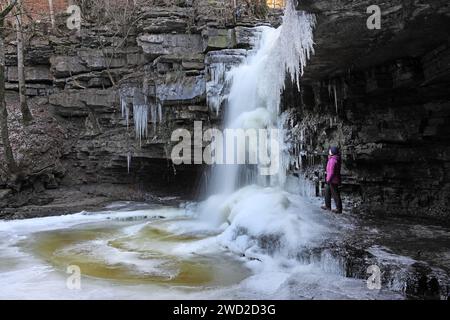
(169, 253)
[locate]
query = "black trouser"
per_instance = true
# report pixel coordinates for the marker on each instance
(332, 190)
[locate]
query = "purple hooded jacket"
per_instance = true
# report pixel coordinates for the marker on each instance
(334, 169)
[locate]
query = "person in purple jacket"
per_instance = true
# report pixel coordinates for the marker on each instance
(333, 180)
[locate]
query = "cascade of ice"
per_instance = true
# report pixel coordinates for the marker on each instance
(140, 115)
(123, 95)
(125, 110)
(155, 114)
(141, 106)
(256, 86)
(213, 87)
(219, 63)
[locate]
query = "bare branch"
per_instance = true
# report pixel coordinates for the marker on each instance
(5, 11)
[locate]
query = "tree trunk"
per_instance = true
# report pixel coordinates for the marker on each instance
(52, 14)
(26, 113)
(7, 150)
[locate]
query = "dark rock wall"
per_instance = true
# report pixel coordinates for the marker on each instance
(78, 78)
(383, 97)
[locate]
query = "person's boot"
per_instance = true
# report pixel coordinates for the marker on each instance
(325, 208)
(338, 211)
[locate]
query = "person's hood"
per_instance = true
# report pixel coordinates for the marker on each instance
(334, 150)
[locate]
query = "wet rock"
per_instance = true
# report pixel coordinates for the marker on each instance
(173, 62)
(193, 65)
(344, 42)
(75, 102)
(161, 44)
(380, 96)
(436, 65)
(32, 74)
(245, 37)
(166, 19)
(216, 13)
(96, 59)
(5, 193)
(182, 90)
(217, 39)
(32, 89)
(66, 66)
(50, 181)
(218, 63)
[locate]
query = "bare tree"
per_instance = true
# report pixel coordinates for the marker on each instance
(52, 13)
(122, 16)
(7, 150)
(26, 113)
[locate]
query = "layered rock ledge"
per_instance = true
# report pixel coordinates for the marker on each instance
(382, 96)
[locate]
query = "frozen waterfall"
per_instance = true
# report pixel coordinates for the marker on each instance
(253, 101)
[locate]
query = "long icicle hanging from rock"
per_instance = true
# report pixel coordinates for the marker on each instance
(140, 110)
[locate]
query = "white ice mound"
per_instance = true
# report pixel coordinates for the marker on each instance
(259, 218)
(255, 119)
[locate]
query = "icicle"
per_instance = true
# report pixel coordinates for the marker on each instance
(335, 98)
(153, 113)
(214, 87)
(128, 161)
(332, 92)
(124, 106)
(140, 116)
(160, 111)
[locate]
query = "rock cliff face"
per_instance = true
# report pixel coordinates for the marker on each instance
(382, 96)
(88, 84)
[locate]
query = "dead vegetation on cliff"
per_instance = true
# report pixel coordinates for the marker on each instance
(37, 147)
